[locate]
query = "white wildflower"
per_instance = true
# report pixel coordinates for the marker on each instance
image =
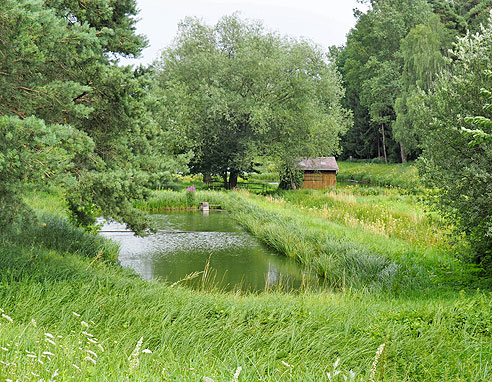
(49, 335)
(83, 323)
(8, 318)
(236, 374)
(76, 314)
(286, 364)
(375, 362)
(47, 353)
(133, 358)
(50, 341)
(100, 347)
(91, 352)
(90, 359)
(91, 340)
(335, 365)
(31, 355)
(78, 368)
(148, 351)
(87, 334)
(4, 349)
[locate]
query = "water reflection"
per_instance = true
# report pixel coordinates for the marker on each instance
(235, 257)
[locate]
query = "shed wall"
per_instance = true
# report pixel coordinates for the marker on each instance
(321, 179)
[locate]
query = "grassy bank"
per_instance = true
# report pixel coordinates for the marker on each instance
(65, 316)
(69, 312)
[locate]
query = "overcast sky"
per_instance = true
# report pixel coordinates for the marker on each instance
(324, 22)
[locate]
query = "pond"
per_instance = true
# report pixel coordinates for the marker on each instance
(205, 248)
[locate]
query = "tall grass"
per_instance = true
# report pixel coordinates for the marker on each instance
(398, 175)
(337, 259)
(382, 211)
(65, 317)
(54, 233)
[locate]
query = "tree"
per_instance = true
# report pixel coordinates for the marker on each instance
(234, 92)
(482, 132)
(372, 70)
(455, 163)
(31, 151)
(423, 60)
(58, 64)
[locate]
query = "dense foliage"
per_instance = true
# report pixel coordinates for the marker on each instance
(234, 92)
(457, 150)
(392, 54)
(415, 91)
(64, 100)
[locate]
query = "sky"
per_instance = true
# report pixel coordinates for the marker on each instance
(325, 22)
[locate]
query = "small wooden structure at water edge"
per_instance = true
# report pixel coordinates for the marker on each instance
(319, 172)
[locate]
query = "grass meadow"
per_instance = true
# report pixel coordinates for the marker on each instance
(404, 303)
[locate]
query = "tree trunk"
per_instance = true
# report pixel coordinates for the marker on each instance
(224, 178)
(403, 155)
(379, 148)
(384, 145)
(233, 179)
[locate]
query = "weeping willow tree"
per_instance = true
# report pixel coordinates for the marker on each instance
(234, 92)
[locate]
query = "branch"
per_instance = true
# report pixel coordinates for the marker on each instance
(27, 89)
(79, 97)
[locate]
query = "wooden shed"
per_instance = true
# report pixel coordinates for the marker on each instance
(319, 172)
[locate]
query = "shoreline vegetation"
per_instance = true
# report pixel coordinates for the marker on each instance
(404, 303)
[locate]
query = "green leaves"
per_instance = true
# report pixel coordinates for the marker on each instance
(33, 152)
(235, 92)
(457, 155)
(80, 117)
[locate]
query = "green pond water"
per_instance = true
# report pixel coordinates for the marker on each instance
(236, 259)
